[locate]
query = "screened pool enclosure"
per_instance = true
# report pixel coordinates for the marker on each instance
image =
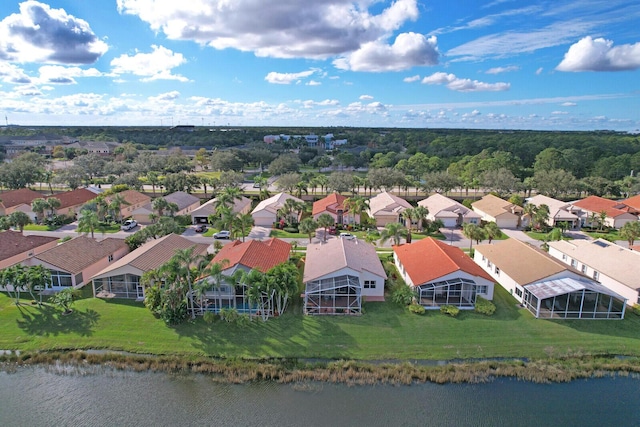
(334, 295)
(458, 292)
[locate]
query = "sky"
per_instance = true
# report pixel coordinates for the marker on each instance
(481, 64)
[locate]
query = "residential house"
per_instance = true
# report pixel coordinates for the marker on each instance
(451, 213)
(73, 262)
(494, 209)
(266, 212)
(616, 213)
(333, 205)
(339, 274)
(386, 208)
(18, 200)
(185, 202)
(559, 211)
(103, 148)
(613, 266)
(71, 202)
(544, 285)
(132, 200)
(17, 247)
(442, 274)
(200, 215)
(633, 203)
(245, 256)
(122, 278)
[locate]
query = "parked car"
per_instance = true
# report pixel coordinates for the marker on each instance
(129, 224)
(347, 236)
(332, 230)
(200, 228)
(224, 234)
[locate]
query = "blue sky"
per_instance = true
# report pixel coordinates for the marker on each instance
(495, 64)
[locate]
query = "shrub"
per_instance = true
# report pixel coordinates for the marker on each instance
(183, 220)
(291, 229)
(210, 317)
(451, 310)
(636, 309)
(402, 294)
(484, 306)
(417, 309)
(230, 315)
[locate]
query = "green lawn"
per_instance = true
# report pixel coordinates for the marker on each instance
(38, 227)
(611, 235)
(385, 331)
(281, 234)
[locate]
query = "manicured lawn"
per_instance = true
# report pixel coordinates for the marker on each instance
(281, 234)
(611, 235)
(37, 227)
(385, 331)
(208, 174)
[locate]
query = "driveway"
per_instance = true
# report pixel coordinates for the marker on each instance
(522, 236)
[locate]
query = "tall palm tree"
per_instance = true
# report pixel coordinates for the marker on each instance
(153, 178)
(115, 206)
(421, 213)
(473, 232)
(325, 221)
(244, 222)
(19, 219)
(89, 222)
(39, 206)
(227, 218)
(492, 231)
(54, 203)
(37, 277)
(393, 231)
(308, 226)
(160, 204)
(529, 211)
(184, 260)
(408, 215)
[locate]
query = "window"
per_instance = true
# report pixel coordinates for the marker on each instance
(481, 289)
(110, 258)
(497, 271)
(369, 284)
(519, 292)
(596, 275)
(574, 263)
(564, 257)
(483, 258)
(489, 264)
(584, 269)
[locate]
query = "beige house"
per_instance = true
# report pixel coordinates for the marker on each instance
(71, 202)
(451, 213)
(613, 266)
(617, 213)
(73, 262)
(494, 209)
(16, 247)
(121, 279)
(266, 212)
(545, 286)
(186, 204)
(201, 214)
(133, 200)
(333, 205)
(386, 208)
(339, 274)
(559, 211)
(18, 200)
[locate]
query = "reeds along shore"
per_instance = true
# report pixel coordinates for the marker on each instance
(348, 372)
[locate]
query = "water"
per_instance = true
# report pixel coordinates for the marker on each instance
(53, 397)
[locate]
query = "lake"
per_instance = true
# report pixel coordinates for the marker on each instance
(46, 396)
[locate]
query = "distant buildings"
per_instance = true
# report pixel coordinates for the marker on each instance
(328, 141)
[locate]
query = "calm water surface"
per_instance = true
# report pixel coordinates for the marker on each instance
(53, 397)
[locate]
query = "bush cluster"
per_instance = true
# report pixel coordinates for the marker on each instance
(451, 310)
(417, 309)
(484, 306)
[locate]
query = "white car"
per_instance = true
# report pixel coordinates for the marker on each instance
(129, 224)
(224, 234)
(347, 236)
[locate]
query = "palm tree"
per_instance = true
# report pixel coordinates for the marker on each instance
(393, 231)
(115, 206)
(542, 215)
(356, 205)
(54, 203)
(89, 222)
(421, 213)
(227, 218)
(408, 215)
(19, 219)
(244, 222)
(290, 206)
(39, 206)
(325, 221)
(630, 231)
(602, 219)
(308, 226)
(160, 204)
(492, 231)
(37, 277)
(530, 212)
(154, 179)
(473, 232)
(215, 273)
(322, 181)
(301, 187)
(183, 260)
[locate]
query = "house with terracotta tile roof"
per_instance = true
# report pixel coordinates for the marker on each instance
(200, 215)
(241, 256)
(74, 262)
(631, 202)
(611, 265)
(333, 205)
(617, 213)
(339, 274)
(132, 200)
(71, 202)
(494, 209)
(16, 247)
(559, 211)
(545, 286)
(266, 212)
(441, 274)
(18, 200)
(121, 279)
(450, 212)
(386, 208)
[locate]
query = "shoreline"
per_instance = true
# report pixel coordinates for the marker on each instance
(351, 372)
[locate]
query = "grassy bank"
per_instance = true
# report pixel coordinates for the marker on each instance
(384, 332)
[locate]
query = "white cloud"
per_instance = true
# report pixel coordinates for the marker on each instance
(366, 97)
(45, 35)
(10, 73)
(499, 70)
(411, 79)
(313, 83)
(275, 28)
(600, 55)
(568, 104)
(558, 113)
(408, 50)
(288, 78)
(168, 96)
(56, 74)
(464, 85)
(539, 71)
(156, 65)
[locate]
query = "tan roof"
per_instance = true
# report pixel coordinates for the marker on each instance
(336, 254)
(182, 199)
(274, 203)
(442, 206)
(18, 197)
(75, 255)
(494, 206)
(521, 261)
(132, 197)
(387, 203)
(153, 254)
(75, 197)
(558, 209)
(609, 259)
(209, 207)
(15, 243)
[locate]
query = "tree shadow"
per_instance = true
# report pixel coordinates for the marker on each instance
(47, 321)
